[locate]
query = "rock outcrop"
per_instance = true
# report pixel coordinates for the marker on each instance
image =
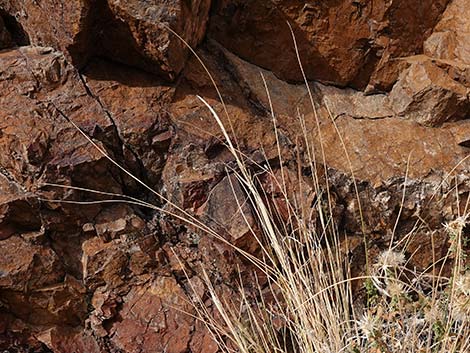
(100, 118)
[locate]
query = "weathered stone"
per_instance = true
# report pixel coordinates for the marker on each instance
(135, 101)
(341, 42)
(427, 94)
(39, 93)
(461, 132)
(103, 263)
(71, 36)
(65, 340)
(228, 208)
(25, 266)
(449, 39)
(18, 210)
(132, 32)
(118, 277)
(152, 319)
(137, 33)
(289, 99)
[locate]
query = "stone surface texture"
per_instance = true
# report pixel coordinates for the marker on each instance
(101, 116)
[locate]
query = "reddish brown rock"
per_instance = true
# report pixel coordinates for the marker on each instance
(71, 36)
(427, 94)
(449, 40)
(106, 277)
(228, 210)
(65, 340)
(132, 32)
(137, 33)
(153, 319)
(341, 42)
(26, 266)
(103, 263)
(136, 102)
(18, 210)
(40, 92)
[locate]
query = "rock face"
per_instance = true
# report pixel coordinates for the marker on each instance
(137, 33)
(341, 42)
(101, 117)
(132, 32)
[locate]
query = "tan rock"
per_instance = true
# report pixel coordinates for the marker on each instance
(426, 93)
(450, 39)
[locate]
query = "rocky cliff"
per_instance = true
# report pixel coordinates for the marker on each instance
(391, 84)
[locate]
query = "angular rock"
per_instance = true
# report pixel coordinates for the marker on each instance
(136, 103)
(461, 132)
(101, 277)
(71, 36)
(132, 32)
(18, 210)
(426, 93)
(340, 42)
(449, 39)
(288, 99)
(103, 263)
(25, 266)
(63, 303)
(137, 33)
(152, 319)
(64, 340)
(40, 92)
(228, 209)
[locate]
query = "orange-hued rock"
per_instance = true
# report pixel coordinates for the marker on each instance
(449, 39)
(43, 24)
(341, 42)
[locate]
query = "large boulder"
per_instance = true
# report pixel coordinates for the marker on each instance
(432, 92)
(71, 36)
(341, 42)
(134, 32)
(137, 33)
(435, 88)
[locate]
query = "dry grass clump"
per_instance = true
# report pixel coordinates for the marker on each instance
(311, 305)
